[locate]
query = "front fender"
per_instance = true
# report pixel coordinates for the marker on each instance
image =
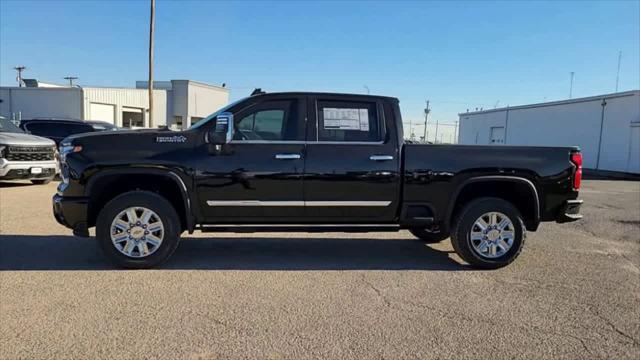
(182, 180)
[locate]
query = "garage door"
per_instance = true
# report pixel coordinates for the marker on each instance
(102, 112)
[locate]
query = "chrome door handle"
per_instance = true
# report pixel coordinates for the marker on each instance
(380, 157)
(287, 156)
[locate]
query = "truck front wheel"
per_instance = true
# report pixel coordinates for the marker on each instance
(138, 229)
(429, 236)
(488, 233)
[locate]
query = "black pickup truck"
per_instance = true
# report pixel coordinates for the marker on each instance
(310, 162)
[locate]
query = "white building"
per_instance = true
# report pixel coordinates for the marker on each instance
(177, 103)
(189, 101)
(606, 127)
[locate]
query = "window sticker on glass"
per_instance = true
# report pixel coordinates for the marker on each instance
(346, 119)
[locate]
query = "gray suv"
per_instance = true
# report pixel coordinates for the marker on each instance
(24, 156)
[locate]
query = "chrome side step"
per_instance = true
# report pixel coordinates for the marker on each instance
(250, 228)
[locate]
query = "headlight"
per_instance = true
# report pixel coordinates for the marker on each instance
(2, 151)
(68, 149)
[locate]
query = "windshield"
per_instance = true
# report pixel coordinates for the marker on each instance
(8, 127)
(208, 118)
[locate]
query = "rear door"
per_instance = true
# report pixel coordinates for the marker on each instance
(259, 176)
(352, 161)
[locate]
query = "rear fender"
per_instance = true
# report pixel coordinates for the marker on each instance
(532, 223)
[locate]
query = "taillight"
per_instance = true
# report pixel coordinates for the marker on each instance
(576, 159)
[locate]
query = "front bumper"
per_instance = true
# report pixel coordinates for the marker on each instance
(72, 213)
(24, 170)
(570, 211)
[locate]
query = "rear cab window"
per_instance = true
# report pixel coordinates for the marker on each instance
(348, 121)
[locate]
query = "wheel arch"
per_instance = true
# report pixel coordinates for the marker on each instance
(107, 184)
(501, 186)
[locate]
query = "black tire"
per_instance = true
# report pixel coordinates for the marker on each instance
(152, 201)
(40, 181)
(430, 237)
(464, 224)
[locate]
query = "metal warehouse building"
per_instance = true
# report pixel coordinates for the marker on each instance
(606, 127)
(177, 103)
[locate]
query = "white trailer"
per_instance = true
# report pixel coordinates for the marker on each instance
(606, 127)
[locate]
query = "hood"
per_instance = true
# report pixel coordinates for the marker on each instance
(17, 139)
(132, 144)
(118, 134)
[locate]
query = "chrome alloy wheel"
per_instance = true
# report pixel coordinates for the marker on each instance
(137, 232)
(492, 235)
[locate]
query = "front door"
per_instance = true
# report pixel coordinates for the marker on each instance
(259, 175)
(352, 163)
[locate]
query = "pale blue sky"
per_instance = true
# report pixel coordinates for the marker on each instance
(457, 54)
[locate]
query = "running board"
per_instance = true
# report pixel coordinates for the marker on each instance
(298, 228)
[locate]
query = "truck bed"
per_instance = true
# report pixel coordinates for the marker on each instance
(447, 168)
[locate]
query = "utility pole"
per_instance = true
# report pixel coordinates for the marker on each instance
(435, 139)
(20, 69)
(618, 73)
(70, 78)
(366, 88)
(455, 132)
(151, 31)
(571, 85)
(426, 116)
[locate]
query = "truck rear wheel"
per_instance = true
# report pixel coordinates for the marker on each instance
(488, 233)
(428, 236)
(138, 229)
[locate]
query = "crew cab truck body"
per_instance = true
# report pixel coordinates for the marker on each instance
(309, 162)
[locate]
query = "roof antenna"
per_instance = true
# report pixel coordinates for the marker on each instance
(257, 91)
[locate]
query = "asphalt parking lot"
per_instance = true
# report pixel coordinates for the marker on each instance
(573, 293)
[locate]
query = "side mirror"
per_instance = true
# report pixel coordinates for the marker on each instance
(222, 132)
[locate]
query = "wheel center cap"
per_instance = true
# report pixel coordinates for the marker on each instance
(493, 234)
(137, 232)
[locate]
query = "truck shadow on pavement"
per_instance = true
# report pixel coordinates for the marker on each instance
(24, 252)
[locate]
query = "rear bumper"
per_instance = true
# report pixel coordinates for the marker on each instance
(570, 211)
(72, 213)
